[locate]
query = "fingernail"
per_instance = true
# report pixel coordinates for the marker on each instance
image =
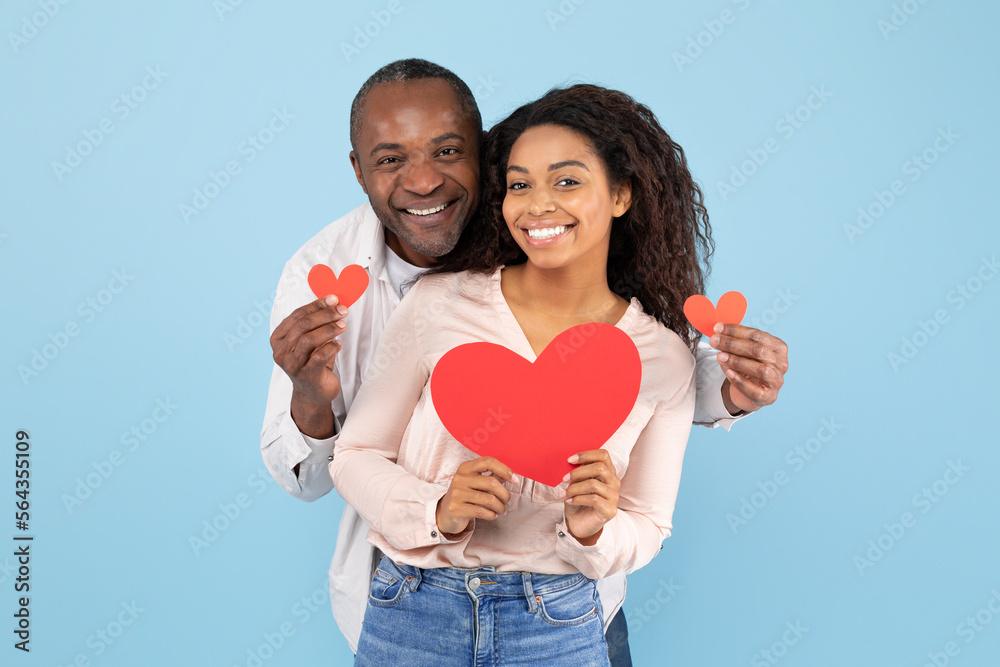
(566, 477)
(341, 310)
(574, 458)
(514, 479)
(730, 373)
(562, 493)
(723, 356)
(714, 340)
(339, 324)
(718, 327)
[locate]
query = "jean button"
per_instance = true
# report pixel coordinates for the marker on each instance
(474, 583)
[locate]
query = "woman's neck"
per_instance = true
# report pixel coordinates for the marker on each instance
(568, 292)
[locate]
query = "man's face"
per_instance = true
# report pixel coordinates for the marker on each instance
(417, 159)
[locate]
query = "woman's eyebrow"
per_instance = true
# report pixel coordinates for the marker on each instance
(552, 167)
(568, 163)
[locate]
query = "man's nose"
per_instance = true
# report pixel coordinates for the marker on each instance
(422, 177)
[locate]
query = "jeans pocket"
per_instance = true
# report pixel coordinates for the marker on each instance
(573, 605)
(386, 589)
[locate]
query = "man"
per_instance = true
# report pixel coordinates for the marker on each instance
(415, 134)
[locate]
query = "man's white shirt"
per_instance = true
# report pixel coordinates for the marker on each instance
(359, 238)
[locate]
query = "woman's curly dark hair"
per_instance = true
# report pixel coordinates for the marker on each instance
(657, 247)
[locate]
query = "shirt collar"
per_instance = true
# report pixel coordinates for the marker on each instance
(372, 248)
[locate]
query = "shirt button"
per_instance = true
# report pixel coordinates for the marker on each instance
(562, 534)
(434, 533)
(474, 583)
(329, 458)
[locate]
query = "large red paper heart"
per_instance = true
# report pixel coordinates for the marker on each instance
(534, 416)
(704, 316)
(348, 287)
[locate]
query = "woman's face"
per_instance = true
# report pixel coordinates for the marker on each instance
(559, 204)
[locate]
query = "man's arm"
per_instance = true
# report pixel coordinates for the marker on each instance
(301, 418)
(740, 371)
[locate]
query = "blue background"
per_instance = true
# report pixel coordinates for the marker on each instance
(721, 591)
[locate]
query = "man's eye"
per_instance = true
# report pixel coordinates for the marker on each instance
(388, 160)
(449, 151)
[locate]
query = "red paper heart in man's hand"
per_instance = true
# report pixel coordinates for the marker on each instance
(534, 416)
(348, 287)
(704, 316)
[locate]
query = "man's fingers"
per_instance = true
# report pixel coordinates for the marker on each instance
(745, 347)
(319, 305)
(316, 338)
(325, 355)
(766, 373)
(760, 395)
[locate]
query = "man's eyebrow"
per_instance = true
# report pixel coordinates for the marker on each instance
(567, 163)
(384, 146)
(447, 136)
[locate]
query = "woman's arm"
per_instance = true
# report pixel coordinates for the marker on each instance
(646, 497)
(395, 503)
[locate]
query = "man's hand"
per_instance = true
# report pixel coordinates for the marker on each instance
(474, 495)
(305, 346)
(591, 499)
(755, 364)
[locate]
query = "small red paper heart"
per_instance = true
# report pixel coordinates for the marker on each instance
(534, 416)
(704, 316)
(348, 287)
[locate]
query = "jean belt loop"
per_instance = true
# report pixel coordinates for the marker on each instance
(529, 592)
(414, 579)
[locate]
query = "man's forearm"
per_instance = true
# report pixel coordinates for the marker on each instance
(731, 407)
(314, 420)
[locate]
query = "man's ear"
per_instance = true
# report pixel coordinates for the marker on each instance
(622, 196)
(357, 171)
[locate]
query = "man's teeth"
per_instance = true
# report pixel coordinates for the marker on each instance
(546, 232)
(426, 211)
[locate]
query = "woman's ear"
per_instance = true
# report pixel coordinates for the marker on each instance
(622, 197)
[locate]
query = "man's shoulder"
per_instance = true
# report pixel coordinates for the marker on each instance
(341, 242)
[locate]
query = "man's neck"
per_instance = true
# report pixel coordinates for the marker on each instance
(406, 253)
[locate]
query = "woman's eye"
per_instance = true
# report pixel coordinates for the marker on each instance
(516, 186)
(568, 181)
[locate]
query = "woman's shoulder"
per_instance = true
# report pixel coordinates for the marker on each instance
(454, 289)
(666, 358)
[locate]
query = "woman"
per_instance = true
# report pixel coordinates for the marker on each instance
(589, 215)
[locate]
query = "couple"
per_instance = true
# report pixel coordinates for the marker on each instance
(588, 214)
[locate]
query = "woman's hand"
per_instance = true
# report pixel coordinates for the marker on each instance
(591, 499)
(474, 495)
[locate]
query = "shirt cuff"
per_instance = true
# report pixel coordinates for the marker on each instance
(712, 412)
(593, 561)
(414, 503)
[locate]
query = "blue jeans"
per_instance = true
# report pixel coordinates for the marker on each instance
(452, 616)
(617, 638)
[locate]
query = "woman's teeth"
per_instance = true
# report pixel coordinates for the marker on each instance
(426, 211)
(546, 232)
